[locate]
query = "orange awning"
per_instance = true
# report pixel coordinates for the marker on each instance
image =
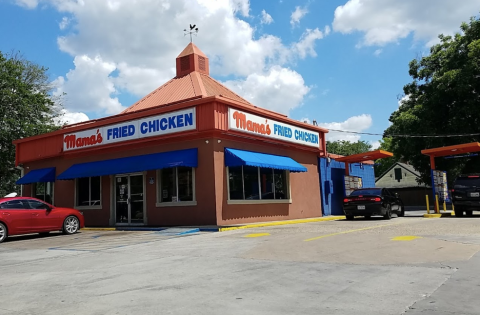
(453, 149)
(366, 156)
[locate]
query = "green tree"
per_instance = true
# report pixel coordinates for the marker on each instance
(382, 165)
(345, 148)
(27, 108)
(442, 99)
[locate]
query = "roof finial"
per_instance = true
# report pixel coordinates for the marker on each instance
(193, 31)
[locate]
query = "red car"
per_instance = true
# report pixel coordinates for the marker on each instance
(24, 215)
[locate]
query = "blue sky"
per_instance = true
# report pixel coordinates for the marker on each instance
(342, 63)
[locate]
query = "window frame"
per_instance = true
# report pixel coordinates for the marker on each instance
(259, 201)
(158, 188)
(97, 207)
(34, 189)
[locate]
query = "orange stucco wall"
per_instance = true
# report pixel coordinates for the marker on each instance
(305, 189)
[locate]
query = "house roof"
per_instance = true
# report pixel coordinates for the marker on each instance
(407, 167)
(192, 81)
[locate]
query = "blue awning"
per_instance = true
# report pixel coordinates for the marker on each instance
(42, 175)
(235, 157)
(132, 164)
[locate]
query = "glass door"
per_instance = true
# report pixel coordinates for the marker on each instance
(129, 199)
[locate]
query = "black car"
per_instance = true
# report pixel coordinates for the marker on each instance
(372, 201)
(466, 194)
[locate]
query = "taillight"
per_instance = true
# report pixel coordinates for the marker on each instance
(377, 199)
(346, 200)
(453, 190)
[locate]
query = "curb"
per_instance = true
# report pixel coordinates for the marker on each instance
(438, 215)
(222, 229)
(289, 222)
(98, 229)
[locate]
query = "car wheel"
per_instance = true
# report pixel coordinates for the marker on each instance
(71, 225)
(402, 212)
(349, 217)
(3, 232)
(459, 212)
(388, 213)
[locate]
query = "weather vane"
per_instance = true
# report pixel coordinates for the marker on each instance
(193, 31)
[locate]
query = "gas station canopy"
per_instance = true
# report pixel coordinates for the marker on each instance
(366, 156)
(453, 150)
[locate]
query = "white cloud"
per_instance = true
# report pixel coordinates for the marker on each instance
(356, 123)
(306, 45)
(375, 144)
(279, 89)
(378, 52)
(327, 30)
(88, 87)
(29, 4)
(266, 18)
(387, 21)
(64, 23)
(403, 99)
(131, 46)
(72, 118)
(297, 15)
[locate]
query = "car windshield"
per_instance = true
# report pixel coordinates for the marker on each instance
(359, 192)
(465, 182)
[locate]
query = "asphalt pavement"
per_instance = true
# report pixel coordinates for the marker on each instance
(406, 265)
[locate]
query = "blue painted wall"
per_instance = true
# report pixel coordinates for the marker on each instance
(332, 183)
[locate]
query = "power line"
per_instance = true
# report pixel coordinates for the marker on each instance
(407, 136)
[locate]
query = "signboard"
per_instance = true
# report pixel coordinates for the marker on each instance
(440, 186)
(260, 126)
(168, 123)
(352, 183)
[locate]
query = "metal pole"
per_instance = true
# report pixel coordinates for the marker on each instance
(428, 205)
(437, 208)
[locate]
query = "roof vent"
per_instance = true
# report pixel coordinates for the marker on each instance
(201, 63)
(192, 59)
(185, 63)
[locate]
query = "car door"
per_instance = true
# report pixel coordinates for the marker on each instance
(393, 201)
(45, 216)
(16, 214)
(388, 198)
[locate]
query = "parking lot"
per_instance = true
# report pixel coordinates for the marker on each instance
(406, 265)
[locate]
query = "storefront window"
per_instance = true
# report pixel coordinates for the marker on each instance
(185, 185)
(43, 191)
(250, 183)
(235, 178)
(254, 183)
(88, 192)
(176, 184)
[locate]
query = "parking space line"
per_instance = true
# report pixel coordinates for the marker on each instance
(350, 231)
(405, 238)
(257, 235)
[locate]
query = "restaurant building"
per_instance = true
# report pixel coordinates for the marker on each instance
(192, 152)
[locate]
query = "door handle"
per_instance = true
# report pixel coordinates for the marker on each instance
(6, 213)
(35, 214)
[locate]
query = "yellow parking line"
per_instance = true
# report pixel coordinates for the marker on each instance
(257, 235)
(349, 231)
(277, 223)
(405, 238)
